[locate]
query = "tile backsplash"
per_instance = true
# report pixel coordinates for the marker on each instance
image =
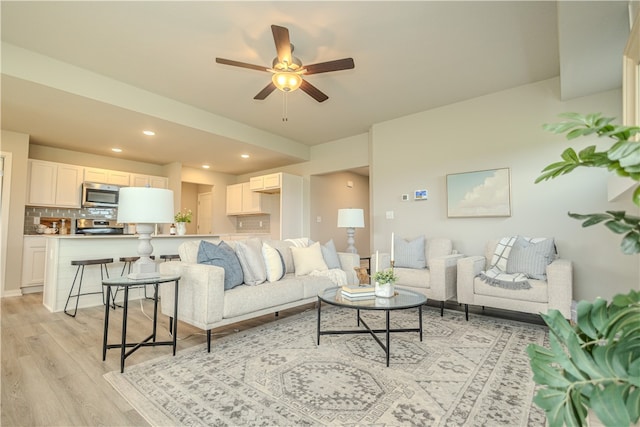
(33, 213)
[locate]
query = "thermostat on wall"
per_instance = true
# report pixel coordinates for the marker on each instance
(405, 197)
(420, 195)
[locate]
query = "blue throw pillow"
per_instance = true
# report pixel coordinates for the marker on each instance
(222, 255)
(330, 255)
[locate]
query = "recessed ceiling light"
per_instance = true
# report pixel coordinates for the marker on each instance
(244, 156)
(117, 150)
(148, 132)
(205, 166)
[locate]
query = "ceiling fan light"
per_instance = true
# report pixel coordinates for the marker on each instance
(287, 81)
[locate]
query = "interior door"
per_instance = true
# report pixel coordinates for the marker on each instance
(204, 216)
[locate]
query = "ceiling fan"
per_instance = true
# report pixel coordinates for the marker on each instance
(288, 70)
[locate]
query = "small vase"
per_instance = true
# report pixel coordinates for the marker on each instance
(384, 290)
(181, 228)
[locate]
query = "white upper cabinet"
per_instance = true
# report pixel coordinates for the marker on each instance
(242, 201)
(54, 184)
(266, 183)
(106, 176)
(138, 180)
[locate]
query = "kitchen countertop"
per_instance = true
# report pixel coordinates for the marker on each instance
(135, 236)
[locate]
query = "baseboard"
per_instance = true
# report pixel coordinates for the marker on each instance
(12, 293)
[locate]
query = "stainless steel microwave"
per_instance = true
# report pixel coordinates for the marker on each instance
(96, 195)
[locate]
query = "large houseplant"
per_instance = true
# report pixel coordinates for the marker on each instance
(596, 363)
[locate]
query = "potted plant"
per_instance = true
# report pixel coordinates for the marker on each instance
(181, 219)
(385, 283)
(594, 364)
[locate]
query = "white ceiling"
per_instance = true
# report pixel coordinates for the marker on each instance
(88, 76)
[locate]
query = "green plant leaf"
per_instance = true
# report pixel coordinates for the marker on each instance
(618, 227)
(636, 196)
(631, 243)
(609, 406)
(633, 405)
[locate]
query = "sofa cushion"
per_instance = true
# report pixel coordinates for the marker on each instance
(250, 255)
(273, 262)
(308, 259)
(409, 254)
(330, 255)
(531, 257)
(437, 247)
(223, 256)
(248, 299)
(538, 292)
(188, 251)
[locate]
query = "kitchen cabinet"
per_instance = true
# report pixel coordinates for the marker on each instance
(242, 201)
(266, 183)
(138, 180)
(33, 261)
(106, 176)
(54, 184)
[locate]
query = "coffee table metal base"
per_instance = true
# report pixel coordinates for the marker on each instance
(387, 331)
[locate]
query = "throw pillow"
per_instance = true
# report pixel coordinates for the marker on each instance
(330, 255)
(531, 257)
(283, 247)
(409, 254)
(250, 255)
(273, 262)
(223, 256)
(308, 259)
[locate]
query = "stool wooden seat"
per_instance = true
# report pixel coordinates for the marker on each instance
(102, 262)
(169, 257)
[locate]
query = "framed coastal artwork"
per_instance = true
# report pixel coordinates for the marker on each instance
(485, 193)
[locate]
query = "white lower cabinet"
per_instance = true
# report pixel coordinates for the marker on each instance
(33, 261)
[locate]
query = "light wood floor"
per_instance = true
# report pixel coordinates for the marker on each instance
(51, 364)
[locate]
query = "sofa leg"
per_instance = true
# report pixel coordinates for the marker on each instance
(441, 308)
(466, 311)
(277, 313)
(208, 340)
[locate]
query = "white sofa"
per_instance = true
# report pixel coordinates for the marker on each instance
(437, 280)
(204, 303)
(553, 293)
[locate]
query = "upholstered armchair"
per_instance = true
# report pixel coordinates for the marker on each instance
(429, 269)
(550, 289)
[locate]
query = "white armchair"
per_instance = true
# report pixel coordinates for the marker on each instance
(438, 280)
(553, 293)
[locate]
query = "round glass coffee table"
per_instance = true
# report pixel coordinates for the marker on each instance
(403, 299)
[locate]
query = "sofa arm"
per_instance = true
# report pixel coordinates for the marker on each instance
(443, 271)
(468, 269)
(560, 286)
(349, 262)
(200, 293)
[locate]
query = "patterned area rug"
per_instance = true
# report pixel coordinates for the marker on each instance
(473, 373)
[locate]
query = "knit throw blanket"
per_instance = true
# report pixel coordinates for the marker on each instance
(337, 276)
(497, 275)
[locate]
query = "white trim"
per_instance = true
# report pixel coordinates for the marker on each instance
(4, 217)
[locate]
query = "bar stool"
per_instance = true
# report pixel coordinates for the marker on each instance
(170, 257)
(81, 264)
(128, 262)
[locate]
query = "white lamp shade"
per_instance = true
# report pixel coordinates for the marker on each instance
(350, 218)
(145, 205)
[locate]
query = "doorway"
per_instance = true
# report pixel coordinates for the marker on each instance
(204, 217)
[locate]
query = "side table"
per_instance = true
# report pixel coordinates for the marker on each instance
(126, 283)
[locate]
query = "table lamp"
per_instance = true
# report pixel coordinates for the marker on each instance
(145, 207)
(351, 219)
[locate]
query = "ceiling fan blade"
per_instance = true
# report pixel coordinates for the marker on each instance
(283, 44)
(265, 92)
(325, 67)
(241, 64)
(313, 91)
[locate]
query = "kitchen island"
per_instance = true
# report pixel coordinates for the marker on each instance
(62, 249)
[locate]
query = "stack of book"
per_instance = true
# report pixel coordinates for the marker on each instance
(358, 292)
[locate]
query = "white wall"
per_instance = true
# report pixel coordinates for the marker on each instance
(496, 131)
(18, 145)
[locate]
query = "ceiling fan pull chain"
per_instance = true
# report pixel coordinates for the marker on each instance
(284, 107)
